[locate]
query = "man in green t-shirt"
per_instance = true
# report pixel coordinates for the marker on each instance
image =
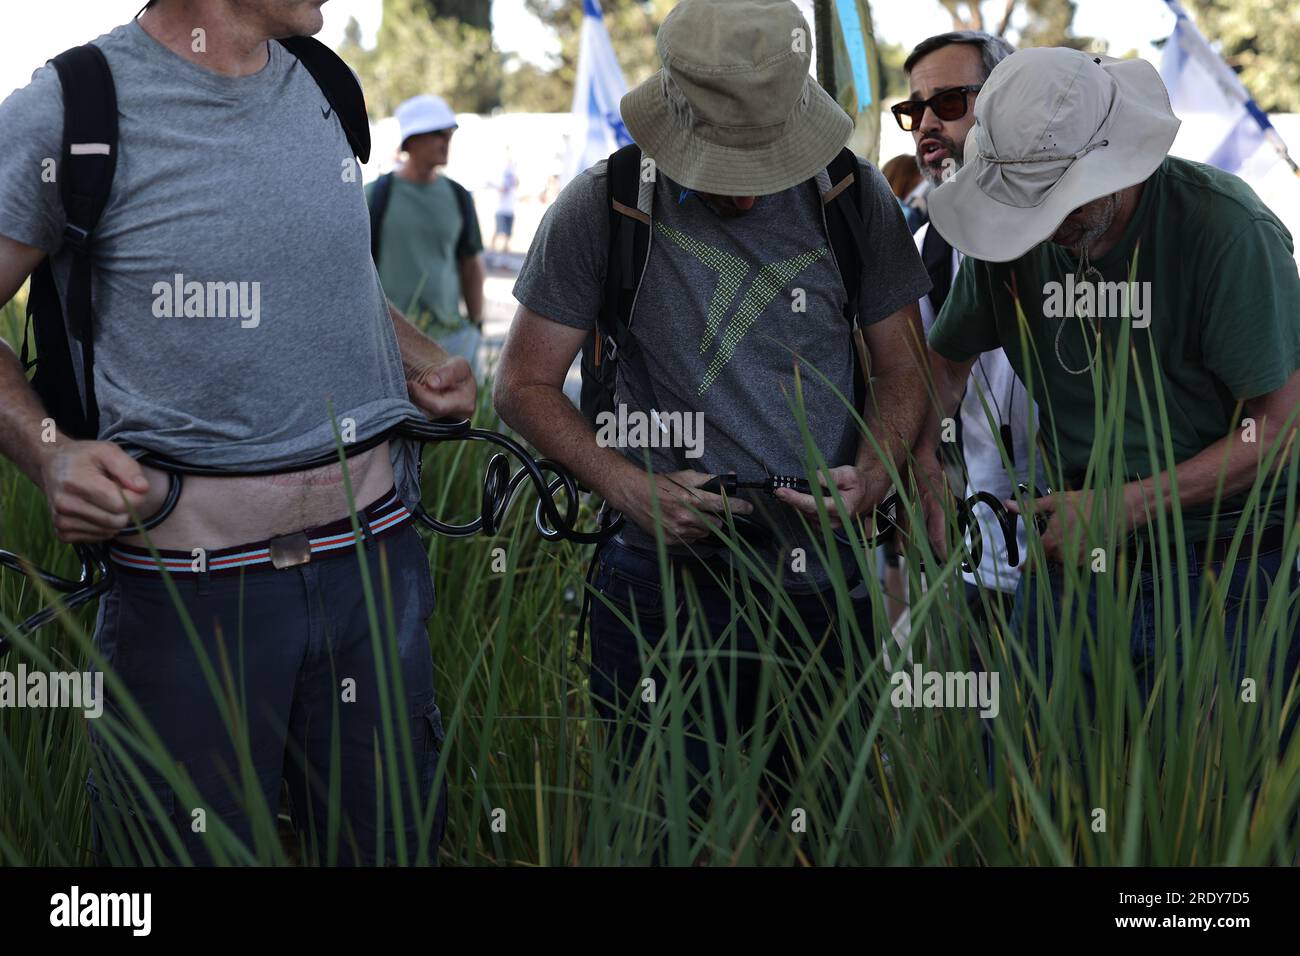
(1143, 280)
(427, 242)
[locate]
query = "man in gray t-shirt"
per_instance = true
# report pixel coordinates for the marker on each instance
(741, 306)
(238, 321)
(715, 324)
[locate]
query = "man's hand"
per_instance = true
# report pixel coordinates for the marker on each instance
(1061, 512)
(859, 490)
(934, 492)
(92, 487)
(685, 513)
(444, 389)
(1066, 509)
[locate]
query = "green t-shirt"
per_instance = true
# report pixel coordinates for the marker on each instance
(1223, 307)
(424, 237)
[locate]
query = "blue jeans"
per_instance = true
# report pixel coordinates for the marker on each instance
(291, 639)
(621, 660)
(1241, 609)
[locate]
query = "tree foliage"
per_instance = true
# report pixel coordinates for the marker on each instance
(445, 47)
(632, 25)
(1046, 22)
(1260, 39)
(474, 13)
(416, 53)
(1051, 23)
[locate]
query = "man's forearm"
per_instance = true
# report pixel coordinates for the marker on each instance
(1222, 470)
(471, 286)
(21, 417)
(546, 418)
(943, 400)
(418, 350)
(895, 414)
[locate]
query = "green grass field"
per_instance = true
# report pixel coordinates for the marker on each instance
(1203, 783)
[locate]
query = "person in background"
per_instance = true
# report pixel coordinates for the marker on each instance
(507, 189)
(907, 183)
(945, 73)
(425, 233)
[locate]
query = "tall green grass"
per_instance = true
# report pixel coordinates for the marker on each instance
(530, 784)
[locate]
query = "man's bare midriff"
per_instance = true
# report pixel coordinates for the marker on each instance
(215, 513)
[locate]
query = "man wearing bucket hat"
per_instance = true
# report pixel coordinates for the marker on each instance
(740, 304)
(1069, 208)
(424, 233)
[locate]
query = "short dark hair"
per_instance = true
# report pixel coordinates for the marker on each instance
(993, 50)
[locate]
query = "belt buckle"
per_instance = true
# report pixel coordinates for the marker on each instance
(290, 550)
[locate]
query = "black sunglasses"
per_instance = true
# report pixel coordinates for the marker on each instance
(947, 104)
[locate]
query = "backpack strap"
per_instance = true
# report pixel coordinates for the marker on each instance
(465, 203)
(846, 231)
(339, 84)
(631, 207)
(936, 255)
(841, 198)
(628, 205)
(85, 181)
(378, 205)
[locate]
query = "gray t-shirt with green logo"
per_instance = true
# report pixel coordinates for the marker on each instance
(236, 302)
(728, 308)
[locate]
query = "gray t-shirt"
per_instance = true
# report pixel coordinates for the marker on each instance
(717, 320)
(246, 186)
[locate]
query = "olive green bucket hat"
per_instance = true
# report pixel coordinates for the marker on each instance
(733, 110)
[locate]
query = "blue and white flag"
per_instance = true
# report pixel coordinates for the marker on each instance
(598, 125)
(1222, 125)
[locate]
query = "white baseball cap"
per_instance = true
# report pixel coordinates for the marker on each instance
(424, 114)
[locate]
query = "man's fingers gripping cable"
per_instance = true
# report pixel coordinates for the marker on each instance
(73, 530)
(73, 508)
(710, 503)
(122, 468)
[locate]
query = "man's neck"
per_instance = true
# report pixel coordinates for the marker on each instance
(1128, 203)
(416, 174)
(227, 45)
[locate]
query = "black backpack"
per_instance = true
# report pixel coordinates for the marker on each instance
(628, 205)
(89, 158)
(378, 205)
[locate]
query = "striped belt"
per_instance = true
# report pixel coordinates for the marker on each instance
(285, 551)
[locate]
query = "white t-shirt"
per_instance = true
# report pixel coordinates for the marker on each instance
(507, 189)
(993, 390)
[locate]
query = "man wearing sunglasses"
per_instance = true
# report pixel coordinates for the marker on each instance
(946, 73)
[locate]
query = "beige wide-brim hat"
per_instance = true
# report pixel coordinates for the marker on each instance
(1054, 130)
(733, 110)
